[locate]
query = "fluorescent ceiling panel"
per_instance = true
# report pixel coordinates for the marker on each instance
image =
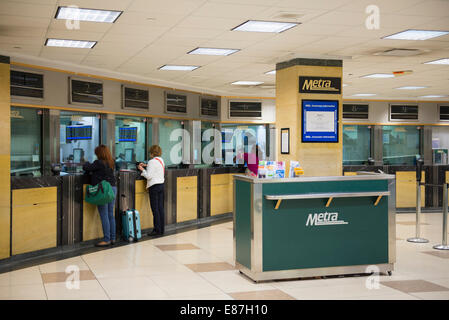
(439, 61)
(410, 88)
(214, 51)
(432, 96)
(178, 68)
(271, 72)
(70, 43)
(363, 94)
(264, 26)
(92, 15)
(416, 35)
(379, 75)
(246, 83)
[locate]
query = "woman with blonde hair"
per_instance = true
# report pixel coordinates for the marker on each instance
(103, 169)
(154, 173)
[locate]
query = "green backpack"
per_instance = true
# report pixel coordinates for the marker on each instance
(100, 194)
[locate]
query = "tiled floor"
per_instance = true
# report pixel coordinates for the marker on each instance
(199, 265)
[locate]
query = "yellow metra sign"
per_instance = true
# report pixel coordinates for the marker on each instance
(319, 85)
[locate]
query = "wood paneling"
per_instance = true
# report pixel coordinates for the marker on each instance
(406, 189)
(187, 198)
(5, 161)
(92, 228)
(447, 176)
(142, 202)
(34, 219)
(221, 193)
(317, 159)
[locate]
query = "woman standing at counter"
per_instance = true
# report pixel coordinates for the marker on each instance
(154, 173)
(103, 169)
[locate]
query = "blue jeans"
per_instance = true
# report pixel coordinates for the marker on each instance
(107, 218)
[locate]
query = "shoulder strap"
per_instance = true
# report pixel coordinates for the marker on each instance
(160, 163)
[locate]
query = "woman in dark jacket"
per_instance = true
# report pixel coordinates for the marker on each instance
(103, 169)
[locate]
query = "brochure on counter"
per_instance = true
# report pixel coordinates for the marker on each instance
(276, 169)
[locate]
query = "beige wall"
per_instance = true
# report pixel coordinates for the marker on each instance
(5, 185)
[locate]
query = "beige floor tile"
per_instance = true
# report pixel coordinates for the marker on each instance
(177, 246)
(61, 265)
(193, 256)
(261, 295)
(439, 254)
(432, 295)
(183, 285)
(137, 288)
(89, 290)
(62, 276)
(210, 267)
(233, 281)
(222, 296)
(23, 292)
(399, 296)
(412, 286)
(26, 276)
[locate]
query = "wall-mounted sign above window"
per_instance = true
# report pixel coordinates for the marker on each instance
(320, 85)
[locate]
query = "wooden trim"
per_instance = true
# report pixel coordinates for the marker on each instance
(394, 124)
(395, 101)
(252, 98)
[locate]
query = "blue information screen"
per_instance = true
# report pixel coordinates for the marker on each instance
(319, 121)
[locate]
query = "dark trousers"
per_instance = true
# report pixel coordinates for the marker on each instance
(156, 193)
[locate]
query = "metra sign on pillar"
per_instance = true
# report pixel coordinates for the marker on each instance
(5, 164)
(315, 85)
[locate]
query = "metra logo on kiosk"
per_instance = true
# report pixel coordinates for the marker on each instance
(320, 85)
(324, 219)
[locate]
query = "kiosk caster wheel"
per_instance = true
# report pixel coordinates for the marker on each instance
(389, 273)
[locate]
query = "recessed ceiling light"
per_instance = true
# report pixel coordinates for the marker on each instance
(247, 83)
(92, 15)
(379, 75)
(213, 51)
(345, 85)
(363, 94)
(70, 43)
(439, 61)
(432, 96)
(264, 26)
(416, 35)
(178, 68)
(271, 72)
(410, 88)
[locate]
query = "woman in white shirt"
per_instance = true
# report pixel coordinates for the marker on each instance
(154, 173)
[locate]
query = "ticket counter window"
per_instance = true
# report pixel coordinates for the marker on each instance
(79, 136)
(237, 140)
(26, 139)
(356, 145)
(207, 146)
(130, 133)
(170, 140)
(440, 145)
(400, 145)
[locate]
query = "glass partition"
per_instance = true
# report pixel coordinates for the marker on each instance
(236, 140)
(209, 143)
(356, 144)
(26, 142)
(400, 145)
(79, 136)
(130, 133)
(440, 145)
(170, 141)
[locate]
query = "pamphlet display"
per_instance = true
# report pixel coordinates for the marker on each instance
(280, 169)
(295, 169)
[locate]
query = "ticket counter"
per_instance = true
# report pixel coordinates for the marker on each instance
(314, 226)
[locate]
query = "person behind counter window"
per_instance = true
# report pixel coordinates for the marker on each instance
(103, 169)
(252, 161)
(154, 173)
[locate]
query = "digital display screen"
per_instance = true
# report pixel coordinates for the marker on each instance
(127, 134)
(319, 121)
(78, 133)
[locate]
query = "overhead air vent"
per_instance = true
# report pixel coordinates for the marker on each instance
(175, 103)
(209, 107)
(403, 112)
(26, 84)
(245, 109)
(444, 113)
(288, 15)
(397, 52)
(86, 92)
(135, 98)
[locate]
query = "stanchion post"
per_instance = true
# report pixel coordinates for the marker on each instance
(417, 238)
(443, 245)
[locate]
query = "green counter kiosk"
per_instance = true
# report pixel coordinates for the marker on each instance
(314, 226)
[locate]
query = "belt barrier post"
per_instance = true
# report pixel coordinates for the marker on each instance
(443, 245)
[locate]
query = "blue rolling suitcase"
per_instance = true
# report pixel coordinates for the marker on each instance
(130, 223)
